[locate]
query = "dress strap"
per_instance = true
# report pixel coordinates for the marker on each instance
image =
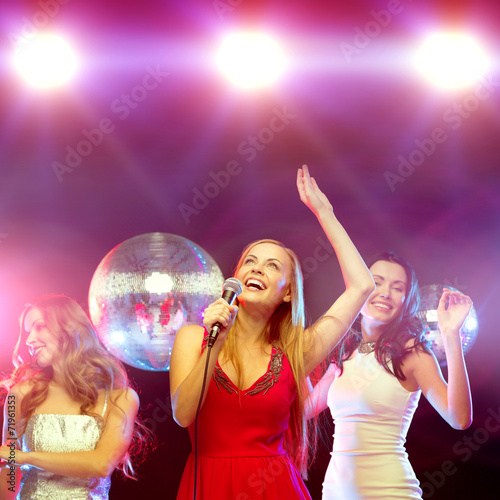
(105, 405)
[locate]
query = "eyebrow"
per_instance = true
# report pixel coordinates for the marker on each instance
(382, 278)
(267, 260)
(34, 323)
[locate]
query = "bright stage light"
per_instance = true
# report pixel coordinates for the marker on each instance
(45, 61)
(452, 60)
(251, 60)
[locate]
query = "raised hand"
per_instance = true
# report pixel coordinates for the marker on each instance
(452, 310)
(310, 193)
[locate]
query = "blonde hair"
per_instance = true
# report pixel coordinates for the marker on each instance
(85, 366)
(285, 329)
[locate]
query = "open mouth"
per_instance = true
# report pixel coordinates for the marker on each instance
(255, 284)
(36, 350)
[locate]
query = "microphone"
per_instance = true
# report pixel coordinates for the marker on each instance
(230, 290)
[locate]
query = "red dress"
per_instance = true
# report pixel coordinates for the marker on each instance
(240, 440)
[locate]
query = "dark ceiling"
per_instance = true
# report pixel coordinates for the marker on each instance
(354, 120)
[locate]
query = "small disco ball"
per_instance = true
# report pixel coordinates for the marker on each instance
(427, 312)
(144, 290)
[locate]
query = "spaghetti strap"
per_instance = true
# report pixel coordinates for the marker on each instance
(105, 405)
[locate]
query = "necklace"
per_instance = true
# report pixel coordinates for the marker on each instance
(366, 347)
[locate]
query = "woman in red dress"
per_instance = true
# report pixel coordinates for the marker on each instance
(252, 443)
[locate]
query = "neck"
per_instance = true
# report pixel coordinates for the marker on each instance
(250, 327)
(371, 331)
(57, 379)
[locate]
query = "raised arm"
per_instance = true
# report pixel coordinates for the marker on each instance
(101, 461)
(187, 362)
(453, 399)
(359, 284)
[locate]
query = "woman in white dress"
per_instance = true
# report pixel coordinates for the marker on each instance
(374, 382)
(69, 416)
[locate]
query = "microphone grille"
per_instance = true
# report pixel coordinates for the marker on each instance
(233, 285)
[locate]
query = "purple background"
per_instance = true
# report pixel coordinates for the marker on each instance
(351, 121)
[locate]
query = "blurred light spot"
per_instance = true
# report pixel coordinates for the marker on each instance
(117, 337)
(158, 283)
(251, 60)
(45, 60)
(471, 322)
(452, 60)
(431, 316)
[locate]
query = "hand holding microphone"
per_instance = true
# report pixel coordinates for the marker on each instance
(231, 289)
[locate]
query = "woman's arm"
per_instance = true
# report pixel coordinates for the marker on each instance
(357, 278)
(110, 450)
(187, 363)
(453, 399)
(316, 402)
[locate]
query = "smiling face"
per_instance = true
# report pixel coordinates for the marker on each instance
(387, 301)
(264, 273)
(43, 345)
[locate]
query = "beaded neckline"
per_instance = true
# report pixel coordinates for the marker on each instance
(366, 347)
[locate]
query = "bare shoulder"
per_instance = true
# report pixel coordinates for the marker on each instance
(188, 341)
(191, 334)
(125, 397)
(416, 361)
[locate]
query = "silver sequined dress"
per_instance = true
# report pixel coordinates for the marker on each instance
(61, 434)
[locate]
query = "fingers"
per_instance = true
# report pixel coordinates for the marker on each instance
(305, 182)
(454, 297)
(302, 175)
(219, 312)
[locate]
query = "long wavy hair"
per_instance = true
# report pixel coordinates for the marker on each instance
(84, 366)
(285, 329)
(390, 347)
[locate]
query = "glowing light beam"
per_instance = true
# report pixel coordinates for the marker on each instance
(45, 61)
(452, 60)
(251, 60)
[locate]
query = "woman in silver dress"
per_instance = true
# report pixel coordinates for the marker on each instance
(70, 413)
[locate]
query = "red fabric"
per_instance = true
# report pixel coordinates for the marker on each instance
(240, 440)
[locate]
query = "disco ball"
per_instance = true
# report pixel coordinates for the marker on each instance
(427, 312)
(144, 290)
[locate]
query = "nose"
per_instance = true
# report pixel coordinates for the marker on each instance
(256, 268)
(385, 291)
(30, 338)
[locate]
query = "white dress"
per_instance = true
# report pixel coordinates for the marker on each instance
(372, 413)
(62, 433)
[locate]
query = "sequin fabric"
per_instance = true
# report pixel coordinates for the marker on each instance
(262, 385)
(63, 434)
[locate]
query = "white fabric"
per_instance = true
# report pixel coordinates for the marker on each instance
(372, 413)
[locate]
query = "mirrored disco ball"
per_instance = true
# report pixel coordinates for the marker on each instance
(144, 290)
(429, 300)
